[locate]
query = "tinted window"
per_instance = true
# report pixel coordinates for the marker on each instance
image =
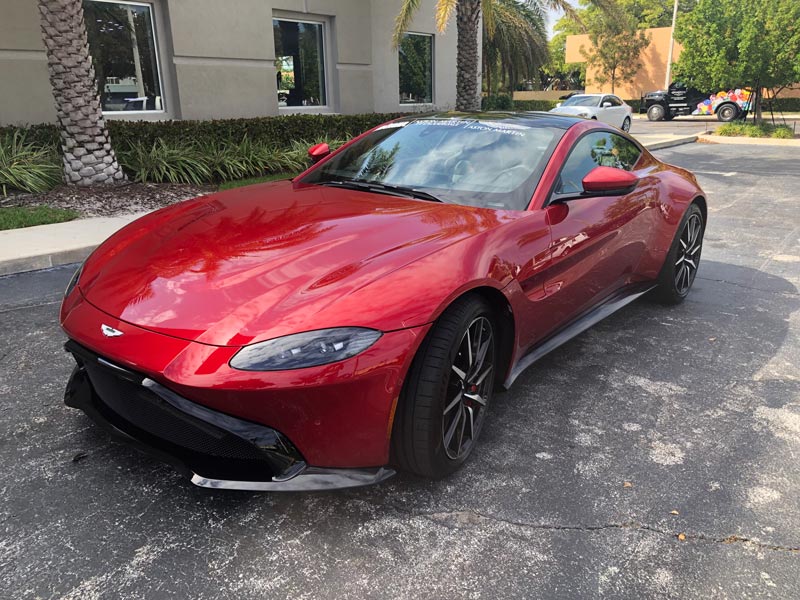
(300, 62)
(490, 163)
(601, 148)
(415, 62)
(123, 46)
(581, 100)
(613, 100)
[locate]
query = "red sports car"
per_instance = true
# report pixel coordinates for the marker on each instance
(321, 332)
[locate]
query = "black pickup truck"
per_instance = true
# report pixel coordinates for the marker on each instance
(681, 99)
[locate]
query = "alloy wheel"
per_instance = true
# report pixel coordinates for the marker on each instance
(469, 388)
(688, 257)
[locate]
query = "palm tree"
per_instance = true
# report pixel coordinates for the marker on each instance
(87, 152)
(517, 48)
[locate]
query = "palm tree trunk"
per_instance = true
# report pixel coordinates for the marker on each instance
(88, 156)
(468, 16)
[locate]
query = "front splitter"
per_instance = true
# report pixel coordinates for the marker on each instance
(310, 479)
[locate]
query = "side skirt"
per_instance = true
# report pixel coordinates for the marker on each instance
(594, 315)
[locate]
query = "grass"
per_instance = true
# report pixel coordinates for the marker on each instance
(16, 217)
(760, 130)
(229, 185)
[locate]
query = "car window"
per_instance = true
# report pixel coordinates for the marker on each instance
(582, 100)
(492, 163)
(596, 149)
(613, 100)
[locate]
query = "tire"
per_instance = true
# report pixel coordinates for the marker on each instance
(655, 112)
(727, 112)
(679, 271)
(443, 403)
(626, 124)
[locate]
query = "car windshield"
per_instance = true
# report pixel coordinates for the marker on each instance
(582, 101)
(489, 163)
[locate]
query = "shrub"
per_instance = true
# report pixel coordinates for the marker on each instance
(498, 102)
(25, 166)
(162, 162)
(760, 130)
(273, 131)
(783, 132)
(542, 105)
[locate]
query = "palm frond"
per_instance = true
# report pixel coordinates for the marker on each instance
(403, 20)
(444, 10)
(487, 8)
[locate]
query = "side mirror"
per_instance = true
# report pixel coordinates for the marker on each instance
(609, 181)
(318, 151)
(558, 105)
(606, 105)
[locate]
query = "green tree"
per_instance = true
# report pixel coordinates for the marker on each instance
(729, 44)
(517, 46)
(616, 45)
(558, 73)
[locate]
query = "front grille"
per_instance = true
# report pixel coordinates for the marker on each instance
(145, 410)
(120, 399)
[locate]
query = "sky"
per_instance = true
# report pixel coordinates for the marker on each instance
(555, 15)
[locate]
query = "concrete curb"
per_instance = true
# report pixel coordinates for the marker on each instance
(689, 139)
(46, 246)
(747, 141)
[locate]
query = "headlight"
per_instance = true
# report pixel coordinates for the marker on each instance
(301, 350)
(73, 282)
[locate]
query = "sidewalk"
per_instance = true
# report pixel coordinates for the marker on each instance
(45, 246)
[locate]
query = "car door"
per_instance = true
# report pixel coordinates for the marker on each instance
(614, 114)
(596, 241)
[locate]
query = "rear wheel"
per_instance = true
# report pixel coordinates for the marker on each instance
(655, 112)
(727, 112)
(443, 404)
(680, 267)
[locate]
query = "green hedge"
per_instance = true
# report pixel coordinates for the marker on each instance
(543, 105)
(277, 131)
(786, 104)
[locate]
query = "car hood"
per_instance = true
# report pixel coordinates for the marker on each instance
(250, 264)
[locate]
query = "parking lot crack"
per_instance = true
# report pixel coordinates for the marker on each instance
(469, 519)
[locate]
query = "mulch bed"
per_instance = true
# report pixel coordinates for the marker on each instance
(110, 200)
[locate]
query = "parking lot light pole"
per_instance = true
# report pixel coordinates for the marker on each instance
(671, 44)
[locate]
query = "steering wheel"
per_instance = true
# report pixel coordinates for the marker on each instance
(509, 171)
(460, 170)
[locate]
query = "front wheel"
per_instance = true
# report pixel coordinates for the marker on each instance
(626, 124)
(680, 267)
(443, 404)
(656, 112)
(727, 112)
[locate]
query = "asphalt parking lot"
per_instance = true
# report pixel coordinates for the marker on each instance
(693, 125)
(655, 456)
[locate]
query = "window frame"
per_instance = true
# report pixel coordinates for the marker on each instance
(327, 72)
(433, 71)
(553, 196)
(166, 106)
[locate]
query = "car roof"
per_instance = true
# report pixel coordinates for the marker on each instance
(531, 119)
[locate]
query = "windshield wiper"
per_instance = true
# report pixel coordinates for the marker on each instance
(374, 186)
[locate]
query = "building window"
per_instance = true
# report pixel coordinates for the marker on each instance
(300, 63)
(416, 69)
(122, 43)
